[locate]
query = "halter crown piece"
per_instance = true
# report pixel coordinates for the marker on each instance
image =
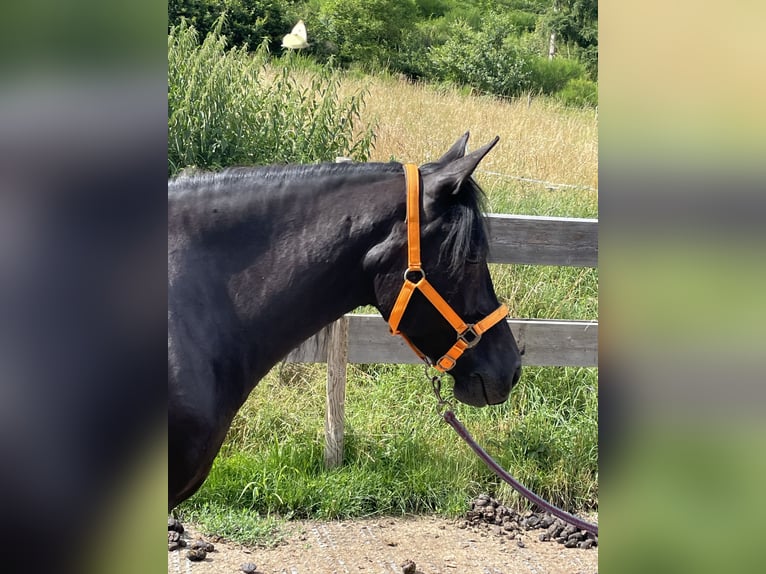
(468, 335)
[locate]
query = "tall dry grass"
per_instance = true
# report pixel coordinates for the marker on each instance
(539, 139)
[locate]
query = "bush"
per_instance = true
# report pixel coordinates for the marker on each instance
(433, 8)
(366, 32)
(235, 108)
(492, 59)
(410, 56)
(500, 59)
(247, 21)
(522, 21)
(579, 92)
(550, 76)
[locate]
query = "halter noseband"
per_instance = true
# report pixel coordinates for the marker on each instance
(468, 335)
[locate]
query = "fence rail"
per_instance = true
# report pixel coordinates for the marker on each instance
(537, 240)
(546, 343)
(522, 239)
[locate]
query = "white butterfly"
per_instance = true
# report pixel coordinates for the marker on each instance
(297, 38)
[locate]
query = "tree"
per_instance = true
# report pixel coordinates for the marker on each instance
(575, 23)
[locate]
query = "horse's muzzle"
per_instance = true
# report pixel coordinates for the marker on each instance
(482, 389)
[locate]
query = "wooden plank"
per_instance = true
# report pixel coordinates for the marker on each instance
(337, 356)
(371, 342)
(551, 343)
(312, 350)
(537, 240)
(545, 343)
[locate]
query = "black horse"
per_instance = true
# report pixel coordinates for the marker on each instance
(259, 259)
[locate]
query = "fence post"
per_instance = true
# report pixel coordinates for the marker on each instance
(337, 358)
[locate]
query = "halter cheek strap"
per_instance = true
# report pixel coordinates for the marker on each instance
(468, 335)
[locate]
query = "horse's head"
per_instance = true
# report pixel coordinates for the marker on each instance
(453, 251)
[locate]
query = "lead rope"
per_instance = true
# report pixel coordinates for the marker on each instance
(444, 409)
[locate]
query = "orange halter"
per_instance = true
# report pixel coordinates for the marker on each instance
(467, 335)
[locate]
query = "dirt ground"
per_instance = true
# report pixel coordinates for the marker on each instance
(383, 545)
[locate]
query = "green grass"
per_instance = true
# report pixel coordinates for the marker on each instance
(532, 198)
(400, 457)
(237, 524)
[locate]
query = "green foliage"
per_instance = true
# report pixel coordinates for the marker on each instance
(247, 21)
(409, 57)
(497, 47)
(433, 8)
(467, 12)
(550, 76)
(501, 57)
(492, 59)
(237, 108)
(576, 24)
(579, 92)
(522, 21)
(366, 32)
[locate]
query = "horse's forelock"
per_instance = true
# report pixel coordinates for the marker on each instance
(467, 224)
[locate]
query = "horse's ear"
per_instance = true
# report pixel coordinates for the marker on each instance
(457, 150)
(449, 177)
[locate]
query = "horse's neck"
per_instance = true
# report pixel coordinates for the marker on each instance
(304, 267)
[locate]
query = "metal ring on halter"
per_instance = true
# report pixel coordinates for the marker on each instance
(414, 270)
(474, 338)
(442, 405)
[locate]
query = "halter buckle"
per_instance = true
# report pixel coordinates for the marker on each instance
(446, 363)
(469, 337)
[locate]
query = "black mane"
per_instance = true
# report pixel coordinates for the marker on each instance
(467, 237)
(282, 172)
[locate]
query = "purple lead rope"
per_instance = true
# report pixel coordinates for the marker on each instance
(449, 416)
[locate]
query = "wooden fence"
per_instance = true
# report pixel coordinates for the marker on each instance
(547, 342)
